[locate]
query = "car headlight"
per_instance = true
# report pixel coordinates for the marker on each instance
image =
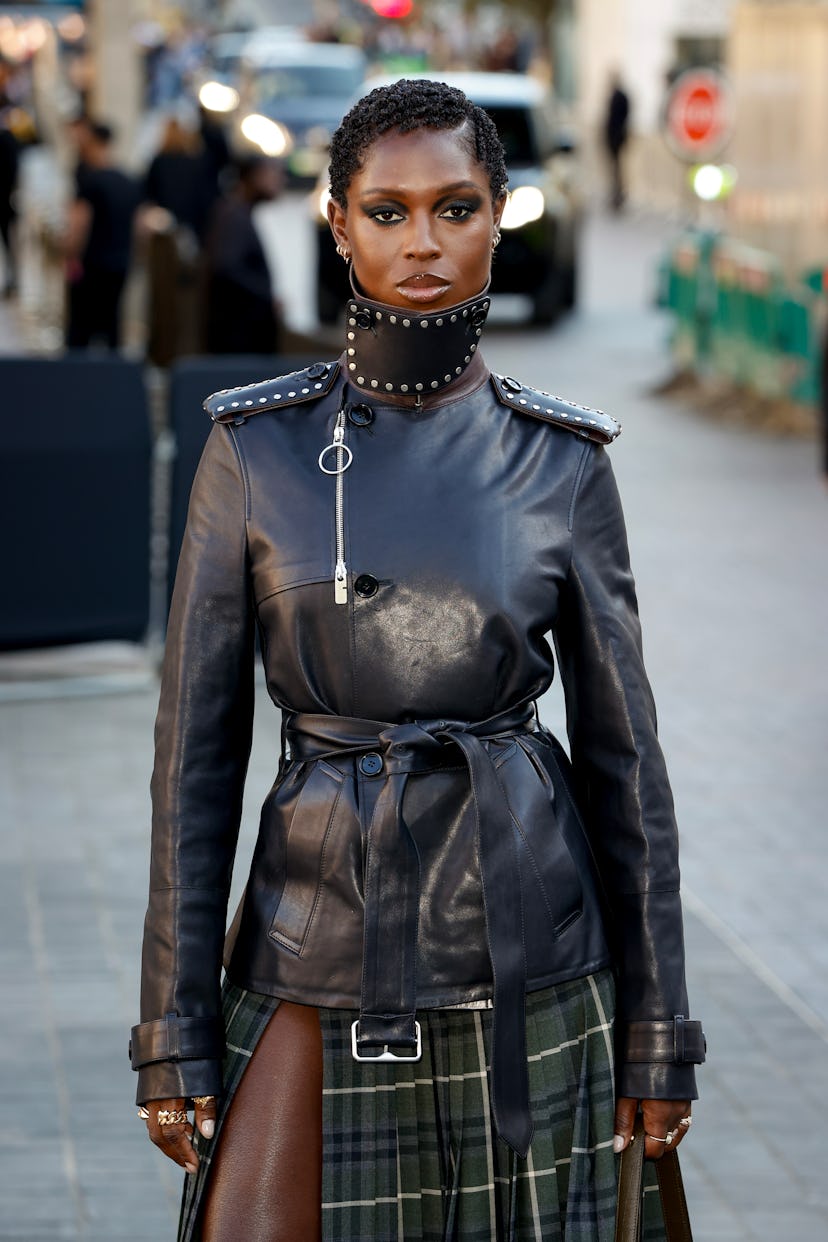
(525, 204)
(218, 97)
(269, 136)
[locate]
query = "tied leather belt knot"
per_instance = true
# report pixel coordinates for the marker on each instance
(388, 754)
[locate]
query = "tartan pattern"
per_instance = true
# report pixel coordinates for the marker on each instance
(409, 1150)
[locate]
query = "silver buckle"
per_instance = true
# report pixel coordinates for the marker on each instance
(386, 1054)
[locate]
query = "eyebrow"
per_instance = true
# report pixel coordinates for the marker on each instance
(442, 192)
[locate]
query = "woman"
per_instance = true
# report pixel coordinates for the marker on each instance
(404, 529)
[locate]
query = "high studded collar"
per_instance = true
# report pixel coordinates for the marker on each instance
(396, 351)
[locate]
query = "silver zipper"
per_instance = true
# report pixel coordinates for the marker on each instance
(344, 457)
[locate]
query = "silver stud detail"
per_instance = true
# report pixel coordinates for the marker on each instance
(406, 323)
(248, 403)
(262, 400)
(403, 387)
(535, 407)
(375, 383)
(472, 348)
(220, 408)
(291, 394)
(447, 378)
(277, 396)
(468, 358)
(392, 318)
(317, 385)
(353, 306)
(351, 353)
(435, 384)
(378, 314)
(563, 414)
(352, 366)
(305, 391)
(423, 323)
(457, 370)
(439, 323)
(419, 387)
(234, 404)
(479, 331)
(351, 335)
(454, 319)
(523, 401)
(578, 418)
(360, 379)
(352, 323)
(465, 313)
(389, 387)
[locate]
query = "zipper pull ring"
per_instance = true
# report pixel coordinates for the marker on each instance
(344, 455)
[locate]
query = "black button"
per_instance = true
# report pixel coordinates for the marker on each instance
(361, 415)
(363, 318)
(318, 371)
(478, 317)
(366, 585)
(511, 384)
(370, 764)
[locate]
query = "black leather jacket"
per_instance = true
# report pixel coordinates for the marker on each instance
(470, 530)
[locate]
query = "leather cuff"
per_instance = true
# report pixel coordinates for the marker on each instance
(172, 1038)
(678, 1042)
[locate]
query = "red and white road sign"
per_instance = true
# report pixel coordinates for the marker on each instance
(697, 116)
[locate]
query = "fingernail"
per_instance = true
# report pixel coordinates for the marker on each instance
(618, 1143)
(191, 1168)
(208, 1127)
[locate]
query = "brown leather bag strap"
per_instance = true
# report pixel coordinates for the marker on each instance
(630, 1193)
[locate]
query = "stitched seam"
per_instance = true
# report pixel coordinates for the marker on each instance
(248, 504)
(576, 486)
(289, 586)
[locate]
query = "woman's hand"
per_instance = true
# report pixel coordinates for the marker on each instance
(174, 1136)
(665, 1124)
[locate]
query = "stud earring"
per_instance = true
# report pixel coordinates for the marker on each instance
(496, 239)
(343, 253)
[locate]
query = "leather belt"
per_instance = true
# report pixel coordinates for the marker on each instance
(392, 886)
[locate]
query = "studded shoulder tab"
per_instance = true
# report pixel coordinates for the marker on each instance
(587, 423)
(234, 405)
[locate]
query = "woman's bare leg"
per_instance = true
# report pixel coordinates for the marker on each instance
(265, 1182)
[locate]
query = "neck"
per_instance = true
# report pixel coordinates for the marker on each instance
(408, 357)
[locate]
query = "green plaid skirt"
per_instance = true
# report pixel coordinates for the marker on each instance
(409, 1154)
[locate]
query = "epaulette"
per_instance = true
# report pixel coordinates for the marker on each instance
(587, 423)
(234, 405)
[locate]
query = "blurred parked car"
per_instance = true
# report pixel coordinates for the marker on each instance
(297, 95)
(537, 255)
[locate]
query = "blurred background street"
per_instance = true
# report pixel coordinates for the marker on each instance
(696, 319)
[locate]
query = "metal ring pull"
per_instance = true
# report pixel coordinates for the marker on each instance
(341, 466)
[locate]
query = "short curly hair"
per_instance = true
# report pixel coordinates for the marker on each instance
(411, 104)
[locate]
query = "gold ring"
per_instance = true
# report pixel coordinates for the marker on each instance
(143, 1112)
(172, 1116)
(202, 1100)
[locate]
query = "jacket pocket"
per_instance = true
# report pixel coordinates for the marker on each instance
(549, 875)
(311, 824)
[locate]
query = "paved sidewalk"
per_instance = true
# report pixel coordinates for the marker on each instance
(728, 531)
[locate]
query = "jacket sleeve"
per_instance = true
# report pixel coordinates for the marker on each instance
(202, 744)
(624, 793)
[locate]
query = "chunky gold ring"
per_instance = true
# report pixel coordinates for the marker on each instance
(143, 1112)
(172, 1116)
(202, 1100)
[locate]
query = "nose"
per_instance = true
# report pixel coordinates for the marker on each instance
(421, 239)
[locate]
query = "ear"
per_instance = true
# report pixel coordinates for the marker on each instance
(499, 205)
(337, 220)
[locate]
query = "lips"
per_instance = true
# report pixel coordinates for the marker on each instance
(423, 287)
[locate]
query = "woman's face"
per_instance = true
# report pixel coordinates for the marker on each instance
(420, 221)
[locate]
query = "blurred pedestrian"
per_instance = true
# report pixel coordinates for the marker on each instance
(217, 155)
(243, 315)
(178, 178)
(98, 241)
(9, 166)
(616, 133)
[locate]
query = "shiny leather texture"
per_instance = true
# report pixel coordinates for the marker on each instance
(481, 531)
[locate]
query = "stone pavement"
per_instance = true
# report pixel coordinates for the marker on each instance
(728, 530)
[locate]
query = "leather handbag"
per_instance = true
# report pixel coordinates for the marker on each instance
(628, 1217)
